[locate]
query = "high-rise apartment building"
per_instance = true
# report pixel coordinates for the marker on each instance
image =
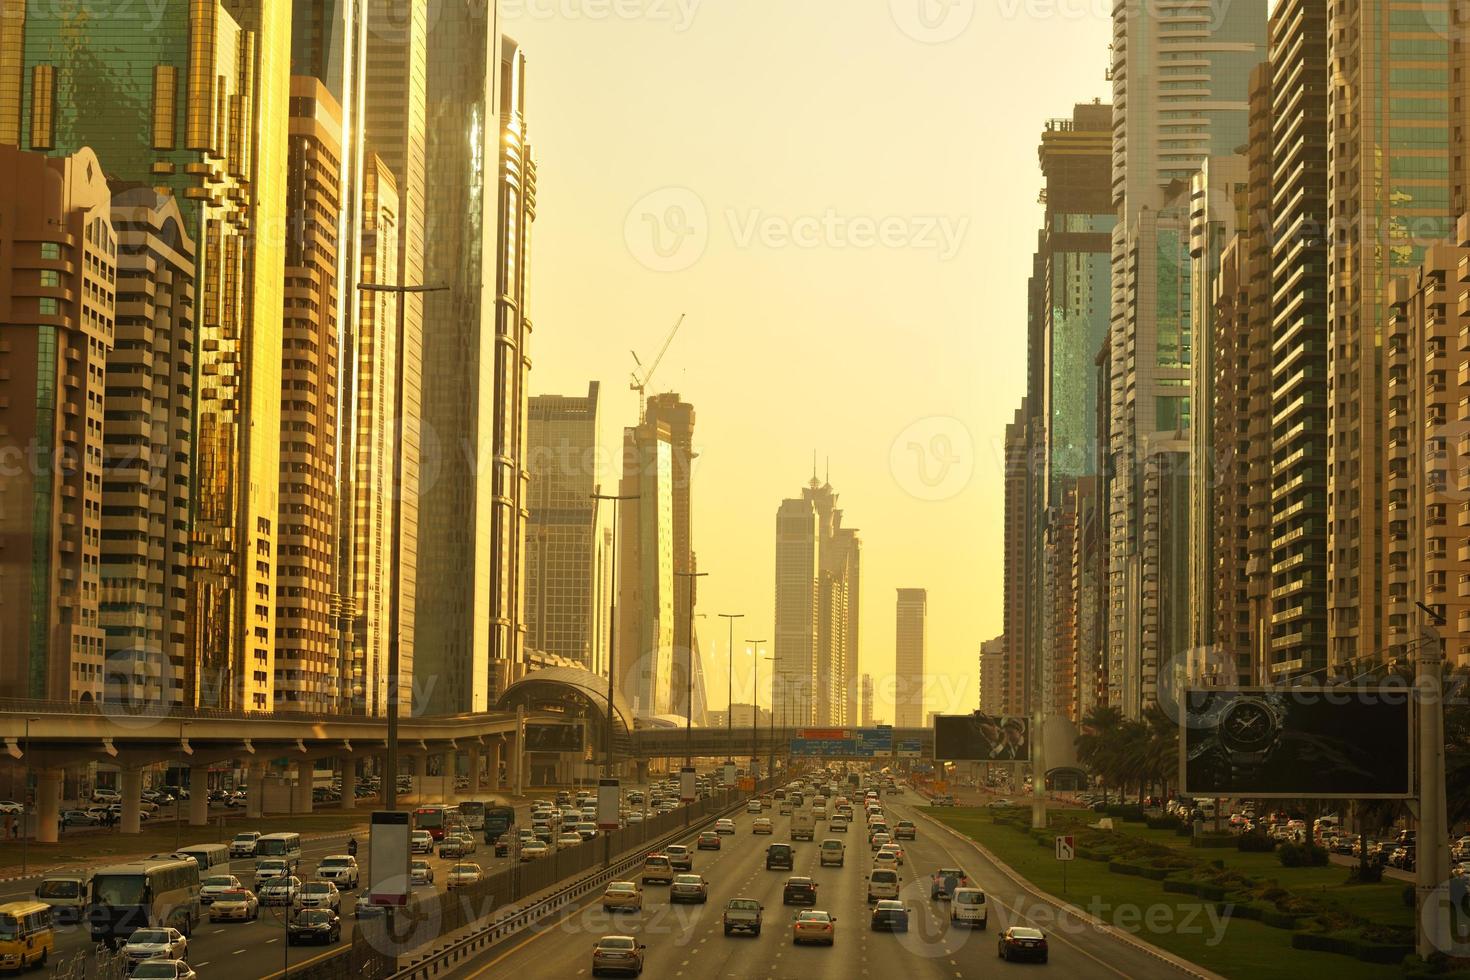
(865, 698)
(209, 124)
(307, 654)
(1014, 673)
(1388, 196)
(566, 607)
(1299, 430)
(677, 416)
(1180, 80)
(645, 610)
(911, 638)
(146, 462)
(992, 665)
(58, 272)
(818, 590)
(463, 635)
(1089, 574)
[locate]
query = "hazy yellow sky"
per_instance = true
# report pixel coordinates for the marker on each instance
(841, 194)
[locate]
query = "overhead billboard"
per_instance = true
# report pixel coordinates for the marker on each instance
(553, 738)
(1321, 742)
(979, 737)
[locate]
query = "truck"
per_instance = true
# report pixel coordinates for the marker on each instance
(803, 824)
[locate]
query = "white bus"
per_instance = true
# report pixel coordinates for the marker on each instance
(213, 859)
(287, 846)
(142, 894)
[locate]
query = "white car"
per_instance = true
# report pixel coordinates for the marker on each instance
(340, 869)
(724, 826)
(461, 875)
(420, 873)
(319, 895)
(754, 806)
(163, 969)
(10, 807)
(533, 850)
(211, 887)
(148, 944)
(281, 890)
(623, 896)
(568, 840)
(421, 842)
(243, 844)
(241, 905)
(268, 868)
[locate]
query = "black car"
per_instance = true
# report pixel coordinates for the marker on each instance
(1023, 943)
(799, 891)
(314, 926)
(890, 915)
(778, 857)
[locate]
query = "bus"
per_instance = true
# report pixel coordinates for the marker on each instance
(435, 818)
(141, 895)
(286, 845)
(473, 812)
(213, 859)
(498, 820)
(26, 935)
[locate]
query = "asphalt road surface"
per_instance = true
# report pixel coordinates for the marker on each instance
(689, 940)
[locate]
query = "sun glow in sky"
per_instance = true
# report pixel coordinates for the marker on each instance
(842, 196)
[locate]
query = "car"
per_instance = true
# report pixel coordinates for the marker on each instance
(813, 926)
(779, 857)
(689, 888)
(753, 806)
(242, 845)
(724, 826)
(161, 943)
(533, 850)
(587, 830)
(885, 859)
(281, 890)
(460, 875)
(658, 867)
(319, 895)
(163, 969)
(340, 869)
(943, 882)
(420, 872)
(945, 800)
(622, 896)
(799, 890)
(452, 846)
(743, 915)
(617, 954)
(883, 883)
(680, 857)
(314, 926)
(211, 887)
(967, 907)
(890, 914)
(708, 841)
(79, 818)
(1022, 943)
(568, 840)
(877, 839)
(268, 868)
(106, 796)
(762, 825)
(238, 904)
(838, 824)
(421, 842)
(786, 806)
(833, 852)
(895, 849)
(905, 830)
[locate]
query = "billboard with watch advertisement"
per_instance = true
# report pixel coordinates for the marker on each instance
(1335, 742)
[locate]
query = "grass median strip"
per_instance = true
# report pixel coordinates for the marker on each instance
(1187, 925)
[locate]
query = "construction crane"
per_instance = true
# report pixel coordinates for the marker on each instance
(640, 385)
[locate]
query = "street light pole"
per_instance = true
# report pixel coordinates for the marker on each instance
(25, 793)
(689, 673)
(178, 809)
(612, 626)
(390, 782)
(730, 684)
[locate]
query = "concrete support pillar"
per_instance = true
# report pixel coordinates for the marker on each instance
(131, 789)
(255, 790)
(497, 758)
(420, 778)
(305, 775)
(198, 796)
(476, 763)
(640, 772)
(448, 763)
(518, 753)
(48, 804)
(349, 783)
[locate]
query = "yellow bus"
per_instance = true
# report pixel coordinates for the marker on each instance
(26, 935)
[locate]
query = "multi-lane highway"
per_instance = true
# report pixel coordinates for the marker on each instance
(689, 940)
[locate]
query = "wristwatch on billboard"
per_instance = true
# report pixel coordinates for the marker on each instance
(1247, 731)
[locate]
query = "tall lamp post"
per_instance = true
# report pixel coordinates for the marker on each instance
(755, 699)
(178, 803)
(692, 578)
(730, 685)
(390, 780)
(25, 794)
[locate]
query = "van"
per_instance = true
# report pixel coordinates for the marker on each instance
(967, 906)
(286, 846)
(834, 852)
(66, 894)
(213, 859)
(883, 883)
(27, 937)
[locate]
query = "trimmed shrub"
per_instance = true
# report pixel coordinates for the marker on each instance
(1255, 843)
(1163, 823)
(1295, 855)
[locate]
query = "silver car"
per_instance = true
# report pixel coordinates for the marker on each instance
(148, 944)
(319, 895)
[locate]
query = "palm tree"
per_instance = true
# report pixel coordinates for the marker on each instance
(1096, 742)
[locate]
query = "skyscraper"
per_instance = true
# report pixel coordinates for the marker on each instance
(818, 592)
(645, 609)
(1388, 195)
(307, 655)
(146, 437)
(1013, 682)
(565, 603)
(207, 85)
(461, 630)
(992, 664)
(57, 306)
(677, 415)
(866, 698)
(910, 642)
